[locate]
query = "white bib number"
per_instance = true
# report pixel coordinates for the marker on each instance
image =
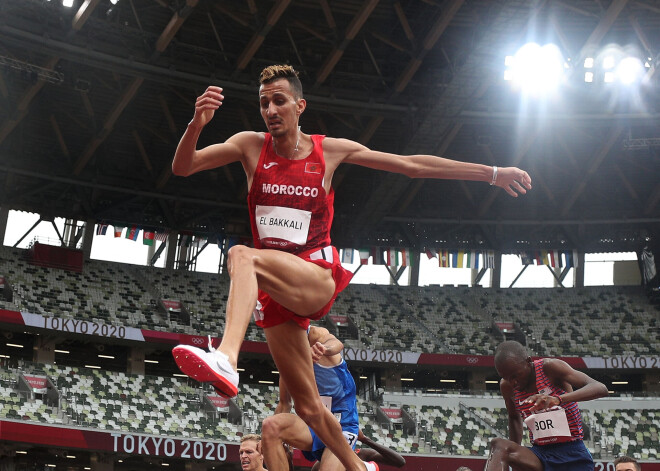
(327, 402)
(549, 426)
(277, 222)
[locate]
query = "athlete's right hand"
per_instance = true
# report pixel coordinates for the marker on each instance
(206, 105)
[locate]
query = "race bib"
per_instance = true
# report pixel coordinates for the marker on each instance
(277, 222)
(550, 426)
(327, 402)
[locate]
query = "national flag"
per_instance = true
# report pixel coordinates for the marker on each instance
(443, 258)
(557, 255)
(313, 167)
(461, 256)
(430, 253)
(118, 230)
(406, 259)
(576, 259)
(569, 259)
(148, 237)
(101, 229)
(544, 257)
(347, 256)
(526, 258)
(553, 260)
(132, 233)
(377, 256)
(489, 259)
(392, 257)
(161, 236)
(537, 256)
(472, 259)
(364, 256)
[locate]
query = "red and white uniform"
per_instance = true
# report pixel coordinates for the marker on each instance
(570, 410)
(290, 211)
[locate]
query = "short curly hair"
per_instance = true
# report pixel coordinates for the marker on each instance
(281, 71)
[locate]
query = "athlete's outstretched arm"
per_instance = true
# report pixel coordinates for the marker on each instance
(511, 179)
(379, 453)
(578, 386)
(188, 160)
(515, 419)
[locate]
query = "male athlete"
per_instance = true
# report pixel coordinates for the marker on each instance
(249, 453)
(544, 394)
(293, 274)
(338, 393)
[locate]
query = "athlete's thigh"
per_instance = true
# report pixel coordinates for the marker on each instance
(523, 459)
(293, 431)
(301, 286)
(329, 462)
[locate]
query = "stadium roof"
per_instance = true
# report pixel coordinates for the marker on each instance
(95, 98)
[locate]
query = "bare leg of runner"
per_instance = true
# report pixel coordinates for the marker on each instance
(290, 349)
(278, 428)
(505, 453)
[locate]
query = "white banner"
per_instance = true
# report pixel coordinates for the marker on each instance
(380, 356)
(77, 326)
(622, 362)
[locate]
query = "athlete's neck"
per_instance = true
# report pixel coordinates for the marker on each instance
(283, 142)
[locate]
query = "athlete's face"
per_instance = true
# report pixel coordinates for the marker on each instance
(280, 108)
(517, 372)
(251, 458)
(626, 467)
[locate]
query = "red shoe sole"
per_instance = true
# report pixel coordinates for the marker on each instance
(192, 366)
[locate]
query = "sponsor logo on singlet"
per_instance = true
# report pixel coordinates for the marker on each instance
(297, 190)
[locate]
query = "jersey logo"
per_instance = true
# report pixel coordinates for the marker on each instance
(313, 167)
(269, 165)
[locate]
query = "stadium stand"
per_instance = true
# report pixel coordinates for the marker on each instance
(554, 322)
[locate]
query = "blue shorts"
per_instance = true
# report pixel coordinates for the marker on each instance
(350, 431)
(569, 456)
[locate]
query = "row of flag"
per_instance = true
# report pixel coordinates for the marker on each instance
(132, 233)
(396, 257)
(551, 258)
(185, 239)
(402, 257)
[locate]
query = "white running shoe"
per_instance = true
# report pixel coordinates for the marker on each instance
(207, 367)
(371, 465)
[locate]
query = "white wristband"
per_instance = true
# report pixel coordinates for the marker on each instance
(494, 175)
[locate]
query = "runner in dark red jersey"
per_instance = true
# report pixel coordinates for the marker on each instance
(543, 394)
(293, 274)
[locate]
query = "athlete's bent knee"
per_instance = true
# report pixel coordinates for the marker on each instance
(501, 445)
(270, 429)
(239, 255)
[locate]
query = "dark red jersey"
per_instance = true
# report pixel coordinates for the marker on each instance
(289, 209)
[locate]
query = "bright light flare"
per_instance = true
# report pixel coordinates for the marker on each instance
(630, 70)
(537, 69)
(589, 77)
(67, 3)
(589, 63)
(608, 62)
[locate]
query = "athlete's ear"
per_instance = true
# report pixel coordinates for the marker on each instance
(301, 106)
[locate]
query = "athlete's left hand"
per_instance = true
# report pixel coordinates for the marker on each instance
(318, 350)
(542, 401)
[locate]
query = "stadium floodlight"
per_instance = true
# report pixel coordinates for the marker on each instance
(114, 2)
(67, 3)
(508, 61)
(537, 69)
(589, 77)
(608, 77)
(589, 63)
(630, 70)
(608, 62)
